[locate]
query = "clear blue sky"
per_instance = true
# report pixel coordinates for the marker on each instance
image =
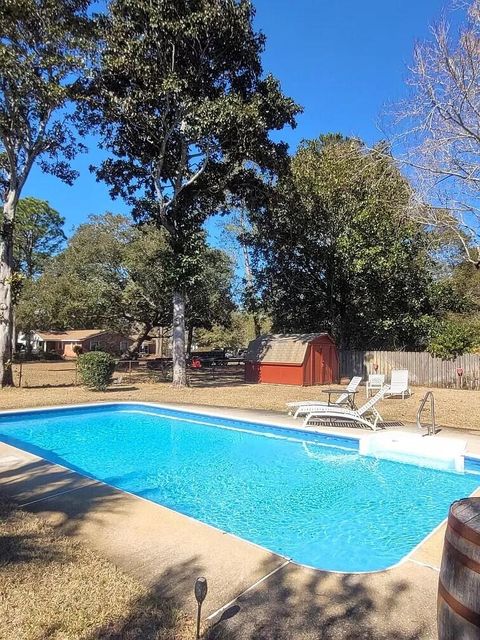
(342, 60)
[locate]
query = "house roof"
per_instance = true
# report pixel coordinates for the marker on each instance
(70, 336)
(282, 348)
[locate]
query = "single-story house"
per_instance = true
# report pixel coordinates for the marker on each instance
(63, 342)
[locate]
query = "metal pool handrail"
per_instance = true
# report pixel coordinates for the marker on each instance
(431, 427)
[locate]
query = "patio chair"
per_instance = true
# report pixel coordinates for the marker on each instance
(303, 406)
(366, 415)
(399, 383)
(375, 382)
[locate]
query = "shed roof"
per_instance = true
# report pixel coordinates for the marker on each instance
(282, 348)
(70, 336)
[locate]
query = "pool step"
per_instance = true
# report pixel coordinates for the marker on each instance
(439, 453)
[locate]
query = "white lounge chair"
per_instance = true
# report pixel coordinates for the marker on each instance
(302, 407)
(399, 383)
(343, 414)
(374, 383)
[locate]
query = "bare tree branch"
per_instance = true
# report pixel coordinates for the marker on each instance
(437, 131)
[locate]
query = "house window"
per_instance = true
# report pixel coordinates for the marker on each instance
(95, 346)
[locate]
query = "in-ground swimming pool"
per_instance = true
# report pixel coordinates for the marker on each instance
(309, 497)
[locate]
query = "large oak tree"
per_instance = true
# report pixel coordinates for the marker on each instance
(185, 110)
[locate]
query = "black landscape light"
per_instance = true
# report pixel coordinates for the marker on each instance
(200, 590)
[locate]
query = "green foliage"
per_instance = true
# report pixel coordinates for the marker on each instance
(466, 281)
(42, 57)
(456, 300)
(236, 335)
(450, 339)
(110, 276)
(96, 369)
(51, 355)
(181, 100)
(446, 297)
(334, 249)
(116, 276)
(38, 236)
(209, 300)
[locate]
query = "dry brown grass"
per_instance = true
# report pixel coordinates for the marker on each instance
(52, 587)
(455, 408)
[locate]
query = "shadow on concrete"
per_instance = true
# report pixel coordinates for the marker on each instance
(303, 604)
(39, 485)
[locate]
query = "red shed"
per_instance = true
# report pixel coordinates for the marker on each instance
(303, 359)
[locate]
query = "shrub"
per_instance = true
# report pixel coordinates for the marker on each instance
(96, 369)
(450, 340)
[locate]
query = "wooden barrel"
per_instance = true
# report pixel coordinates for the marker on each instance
(458, 602)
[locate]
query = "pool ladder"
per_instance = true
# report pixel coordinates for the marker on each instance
(431, 426)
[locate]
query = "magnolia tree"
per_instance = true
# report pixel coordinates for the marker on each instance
(439, 131)
(42, 53)
(183, 107)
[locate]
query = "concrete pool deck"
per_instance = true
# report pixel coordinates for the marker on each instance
(252, 593)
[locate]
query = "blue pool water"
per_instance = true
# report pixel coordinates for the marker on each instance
(309, 497)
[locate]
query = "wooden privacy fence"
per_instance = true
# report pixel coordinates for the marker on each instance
(423, 369)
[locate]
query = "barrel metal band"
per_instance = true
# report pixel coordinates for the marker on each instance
(470, 563)
(460, 609)
(463, 530)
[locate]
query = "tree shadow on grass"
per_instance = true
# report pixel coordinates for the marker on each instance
(30, 548)
(157, 615)
(60, 385)
(18, 543)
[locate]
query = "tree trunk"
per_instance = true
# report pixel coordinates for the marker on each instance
(14, 333)
(256, 325)
(249, 280)
(178, 346)
(6, 309)
(28, 343)
(136, 344)
(160, 342)
(189, 340)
